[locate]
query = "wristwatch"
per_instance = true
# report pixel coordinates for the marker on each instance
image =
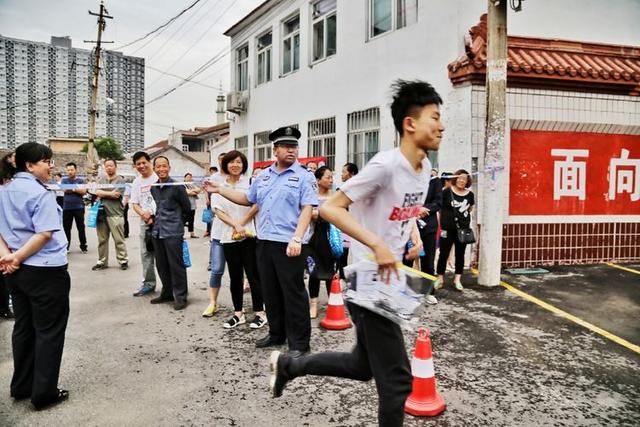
(296, 239)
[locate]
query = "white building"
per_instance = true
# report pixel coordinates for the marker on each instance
(326, 66)
(45, 92)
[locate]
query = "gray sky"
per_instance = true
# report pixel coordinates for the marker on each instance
(189, 106)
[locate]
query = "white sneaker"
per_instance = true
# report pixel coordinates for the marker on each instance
(431, 299)
(234, 321)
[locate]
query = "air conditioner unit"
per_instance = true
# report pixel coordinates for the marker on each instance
(236, 102)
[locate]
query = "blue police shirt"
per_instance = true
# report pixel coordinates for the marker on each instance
(72, 200)
(280, 197)
(27, 207)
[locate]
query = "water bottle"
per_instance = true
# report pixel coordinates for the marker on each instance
(410, 245)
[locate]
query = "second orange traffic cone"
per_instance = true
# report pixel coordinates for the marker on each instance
(424, 399)
(336, 317)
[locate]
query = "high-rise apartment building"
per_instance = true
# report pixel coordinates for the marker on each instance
(45, 92)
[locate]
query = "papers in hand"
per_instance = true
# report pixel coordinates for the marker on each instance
(398, 301)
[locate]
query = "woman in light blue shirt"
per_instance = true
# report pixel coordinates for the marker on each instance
(33, 258)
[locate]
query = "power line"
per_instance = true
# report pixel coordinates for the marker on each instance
(198, 40)
(160, 27)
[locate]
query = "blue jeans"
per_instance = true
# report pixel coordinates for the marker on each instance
(217, 264)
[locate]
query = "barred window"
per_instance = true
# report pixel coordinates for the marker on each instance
(261, 146)
(363, 134)
(322, 140)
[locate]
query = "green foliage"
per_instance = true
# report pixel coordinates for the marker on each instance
(107, 148)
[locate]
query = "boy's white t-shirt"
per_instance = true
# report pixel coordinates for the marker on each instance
(387, 196)
(141, 193)
(235, 211)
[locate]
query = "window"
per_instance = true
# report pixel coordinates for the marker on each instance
(363, 133)
(291, 45)
(322, 140)
(261, 146)
(389, 15)
(324, 29)
(242, 68)
(242, 145)
(263, 47)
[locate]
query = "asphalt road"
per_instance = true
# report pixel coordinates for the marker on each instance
(500, 360)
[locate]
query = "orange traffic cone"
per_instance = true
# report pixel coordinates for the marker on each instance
(335, 317)
(424, 399)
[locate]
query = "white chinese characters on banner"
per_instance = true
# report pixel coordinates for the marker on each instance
(624, 176)
(569, 175)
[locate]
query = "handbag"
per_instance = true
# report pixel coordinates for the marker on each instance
(466, 235)
(207, 216)
(92, 218)
(186, 257)
(335, 241)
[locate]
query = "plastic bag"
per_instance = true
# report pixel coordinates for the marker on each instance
(335, 241)
(207, 216)
(92, 218)
(186, 257)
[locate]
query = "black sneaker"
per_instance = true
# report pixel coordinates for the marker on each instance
(161, 299)
(234, 321)
(124, 266)
(278, 363)
(84, 250)
(180, 305)
(99, 267)
(267, 341)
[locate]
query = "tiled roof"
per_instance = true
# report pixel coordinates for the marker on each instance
(224, 127)
(561, 64)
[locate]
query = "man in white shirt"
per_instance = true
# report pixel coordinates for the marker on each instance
(143, 204)
(384, 201)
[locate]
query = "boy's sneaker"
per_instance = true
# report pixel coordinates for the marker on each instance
(258, 322)
(279, 378)
(431, 299)
(234, 321)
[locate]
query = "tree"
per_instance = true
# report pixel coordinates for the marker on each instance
(107, 148)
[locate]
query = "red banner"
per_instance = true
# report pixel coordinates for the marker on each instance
(574, 173)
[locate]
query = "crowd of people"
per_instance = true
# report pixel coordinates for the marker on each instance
(270, 226)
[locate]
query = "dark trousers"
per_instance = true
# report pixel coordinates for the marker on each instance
(60, 201)
(41, 305)
(342, 263)
(379, 353)
(446, 243)
(68, 216)
(126, 220)
(284, 293)
(4, 295)
(189, 223)
(314, 287)
(170, 265)
(429, 244)
(241, 258)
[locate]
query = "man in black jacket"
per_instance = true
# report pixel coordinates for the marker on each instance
(428, 227)
(172, 206)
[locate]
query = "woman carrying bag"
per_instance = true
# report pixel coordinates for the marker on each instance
(455, 224)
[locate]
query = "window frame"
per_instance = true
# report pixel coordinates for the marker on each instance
(324, 18)
(267, 51)
(395, 8)
(291, 37)
(242, 64)
(244, 148)
(264, 145)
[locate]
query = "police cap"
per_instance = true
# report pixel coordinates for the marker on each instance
(285, 135)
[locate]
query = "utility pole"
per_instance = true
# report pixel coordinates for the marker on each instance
(92, 154)
(494, 182)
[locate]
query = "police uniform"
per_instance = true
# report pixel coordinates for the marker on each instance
(281, 196)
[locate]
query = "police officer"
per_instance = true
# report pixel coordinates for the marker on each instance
(285, 194)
